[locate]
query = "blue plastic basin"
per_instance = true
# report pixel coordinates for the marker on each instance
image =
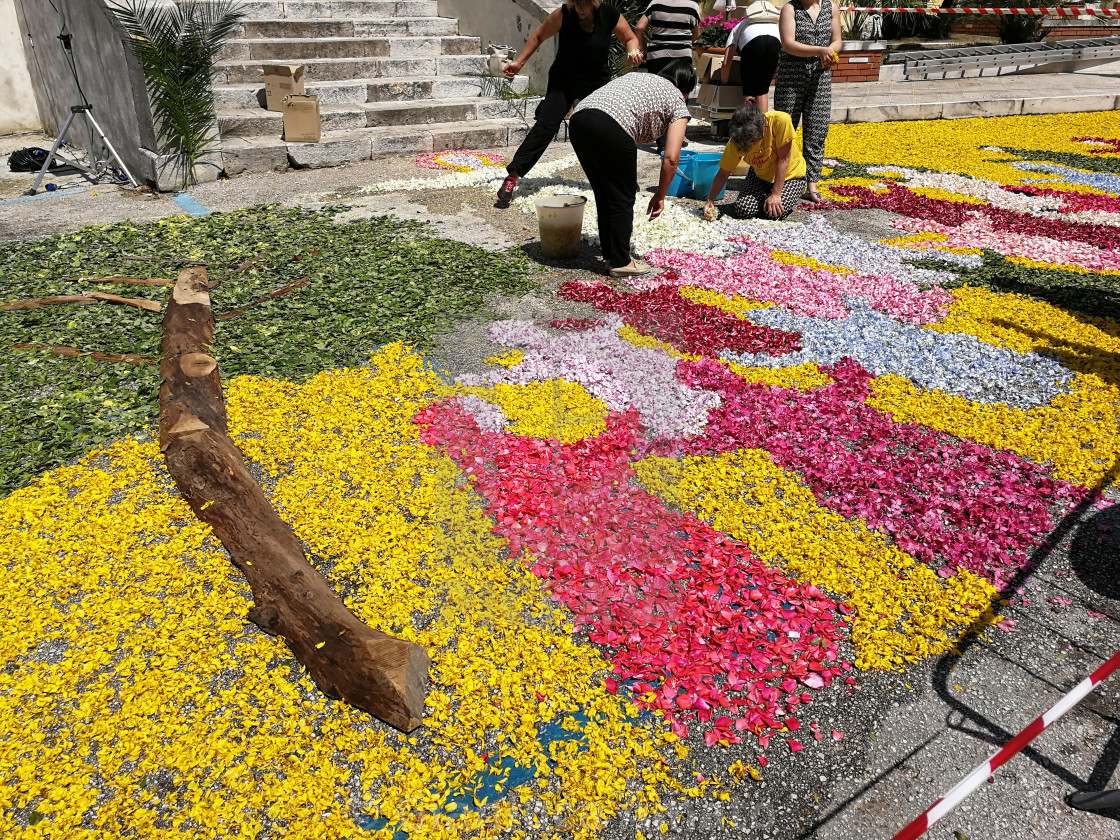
(681, 185)
(705, 165)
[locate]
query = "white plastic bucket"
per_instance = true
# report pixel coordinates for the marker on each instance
(561, 222)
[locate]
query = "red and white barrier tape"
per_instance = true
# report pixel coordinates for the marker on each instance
(976, 778)
(1062, 11)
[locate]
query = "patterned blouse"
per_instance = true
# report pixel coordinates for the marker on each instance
(811, 33)
(642, 103)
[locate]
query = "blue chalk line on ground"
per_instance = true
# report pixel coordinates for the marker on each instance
(190, 205)
(506, 772)
(51, 194)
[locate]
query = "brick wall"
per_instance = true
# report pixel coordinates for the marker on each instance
(986, 26)
(858, 66)
(1088, 31)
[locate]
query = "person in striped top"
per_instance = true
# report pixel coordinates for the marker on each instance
(669, 27)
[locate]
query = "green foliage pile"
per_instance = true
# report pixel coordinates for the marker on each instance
(371, 283)
(1093, 295)
(1088, 163)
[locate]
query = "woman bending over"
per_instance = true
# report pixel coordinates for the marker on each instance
(583, 29)
(606, 129)
(758, 43)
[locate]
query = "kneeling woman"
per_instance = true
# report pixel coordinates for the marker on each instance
(776, 182)
(606, 129)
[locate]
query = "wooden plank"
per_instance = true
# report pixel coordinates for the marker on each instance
(74, 352)
(130, 281)
(90, 299)
(373, 671)
(139, 303)
(233, 313)
(42, 303)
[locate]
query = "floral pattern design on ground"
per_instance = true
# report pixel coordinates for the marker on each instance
(952, 362)
(610, 368)
(752, 273)
(664, 313)
(462, 160)
(973, 147)
(709, 633)
(922, 487)
(901, 611)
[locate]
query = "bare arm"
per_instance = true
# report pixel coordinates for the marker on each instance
(725, 70)
(773, 204)
(640, 29)
(837, 37)
(788, 31)
(717, 184)
(674, 140)
(629, 40)
(549, 28)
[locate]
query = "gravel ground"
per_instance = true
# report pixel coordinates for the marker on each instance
(907, 738)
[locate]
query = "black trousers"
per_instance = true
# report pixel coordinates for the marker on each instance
(609, 157)
(558, 100)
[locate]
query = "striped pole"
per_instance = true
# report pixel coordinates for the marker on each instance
(1062, 11)
(976, 778)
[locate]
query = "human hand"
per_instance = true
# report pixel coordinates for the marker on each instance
(513, 68)
(635, 57)
(773, 206)
(710, 211)
(656, 206)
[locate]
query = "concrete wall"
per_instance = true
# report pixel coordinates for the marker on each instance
(109, 75)
(507, 22)
(18, 111)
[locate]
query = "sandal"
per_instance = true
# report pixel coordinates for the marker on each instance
(636, 269)
(813, 197)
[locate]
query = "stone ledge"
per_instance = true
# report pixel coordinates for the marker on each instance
(1010, 106)
(162, 173)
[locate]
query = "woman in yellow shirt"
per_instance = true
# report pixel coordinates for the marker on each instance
(776, 182)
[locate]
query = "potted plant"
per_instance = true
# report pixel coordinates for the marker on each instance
(714, 30)
(176, 44)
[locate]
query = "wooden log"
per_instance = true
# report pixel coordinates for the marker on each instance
(42, 303)
(127, 281)
(291, 287)
(90, 299)
(74, 353)
(139, 303)
(373, 671)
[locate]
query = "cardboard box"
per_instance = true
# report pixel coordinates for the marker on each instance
(709, 69)
(721, 97)
(301, 119)
(281, 80)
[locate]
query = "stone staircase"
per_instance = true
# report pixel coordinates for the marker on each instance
(392, 78)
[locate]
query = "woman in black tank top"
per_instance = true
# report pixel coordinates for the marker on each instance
(582, 65)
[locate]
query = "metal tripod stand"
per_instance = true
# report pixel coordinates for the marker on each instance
(96, 168)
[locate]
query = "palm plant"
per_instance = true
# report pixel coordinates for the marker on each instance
(176, 43)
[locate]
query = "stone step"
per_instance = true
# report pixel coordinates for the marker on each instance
(254, 122)
(344, 9)
(339, 69)
(356, 91)
(291, 50)
(262, 154)
(416, 26)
